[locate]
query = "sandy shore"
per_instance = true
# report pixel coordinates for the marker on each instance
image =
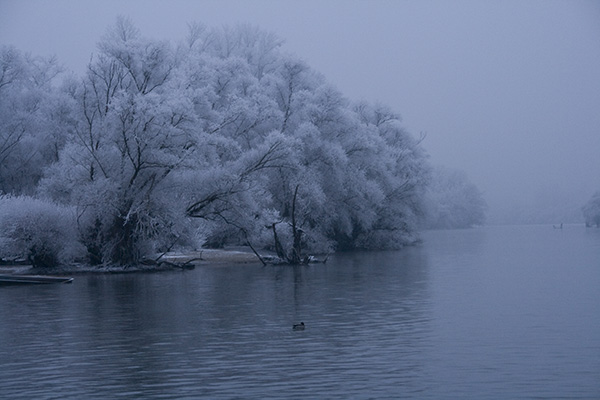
(214, 256)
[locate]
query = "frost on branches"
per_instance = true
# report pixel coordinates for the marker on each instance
(220, 139)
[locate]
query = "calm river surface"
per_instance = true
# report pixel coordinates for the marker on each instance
(493, 312)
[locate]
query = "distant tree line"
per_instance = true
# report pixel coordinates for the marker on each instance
(219, 139)
(452, 201)
(591, 211)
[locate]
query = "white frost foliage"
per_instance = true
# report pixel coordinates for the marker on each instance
(33, 229)
(219, 139)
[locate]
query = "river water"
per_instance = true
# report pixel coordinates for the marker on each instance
(487, 313)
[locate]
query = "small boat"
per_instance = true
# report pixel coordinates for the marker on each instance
(32, 279)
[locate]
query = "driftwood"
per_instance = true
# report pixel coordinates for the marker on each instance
(315, 260)
(186, 265)
(14, 261)
(271, 260)
(189, 264)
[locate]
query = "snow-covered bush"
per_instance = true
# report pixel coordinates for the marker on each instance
(40, 231)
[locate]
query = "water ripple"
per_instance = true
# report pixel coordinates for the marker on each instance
(413, 324)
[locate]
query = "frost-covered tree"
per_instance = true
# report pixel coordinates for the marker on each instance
(350, 177)
(591, 211)
(452, 201)
(132, 130)
(396, 169)
(222, 131)
(31, 113)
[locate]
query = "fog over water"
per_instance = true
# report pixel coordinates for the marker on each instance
(507, 91)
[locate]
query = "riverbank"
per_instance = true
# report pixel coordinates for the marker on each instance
(168, 262)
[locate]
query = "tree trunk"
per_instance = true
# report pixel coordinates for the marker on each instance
(278, 247)
(125, 245)
(296, 256)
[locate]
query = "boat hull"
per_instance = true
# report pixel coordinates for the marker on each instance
(9, 280)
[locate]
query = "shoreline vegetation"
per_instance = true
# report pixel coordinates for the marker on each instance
(222, 139)
(173, 261)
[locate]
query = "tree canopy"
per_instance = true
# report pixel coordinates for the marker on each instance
(220, 139)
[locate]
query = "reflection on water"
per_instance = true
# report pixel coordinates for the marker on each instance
(488, 313)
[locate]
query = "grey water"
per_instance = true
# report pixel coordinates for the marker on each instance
(487, 313)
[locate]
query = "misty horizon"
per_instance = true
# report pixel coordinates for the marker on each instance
(317, 198)
(507, 92)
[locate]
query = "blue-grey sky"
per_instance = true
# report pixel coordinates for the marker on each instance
(508, 91)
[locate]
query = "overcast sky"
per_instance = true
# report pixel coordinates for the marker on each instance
(508, 91)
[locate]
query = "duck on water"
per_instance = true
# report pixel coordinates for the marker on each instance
(298, 327)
